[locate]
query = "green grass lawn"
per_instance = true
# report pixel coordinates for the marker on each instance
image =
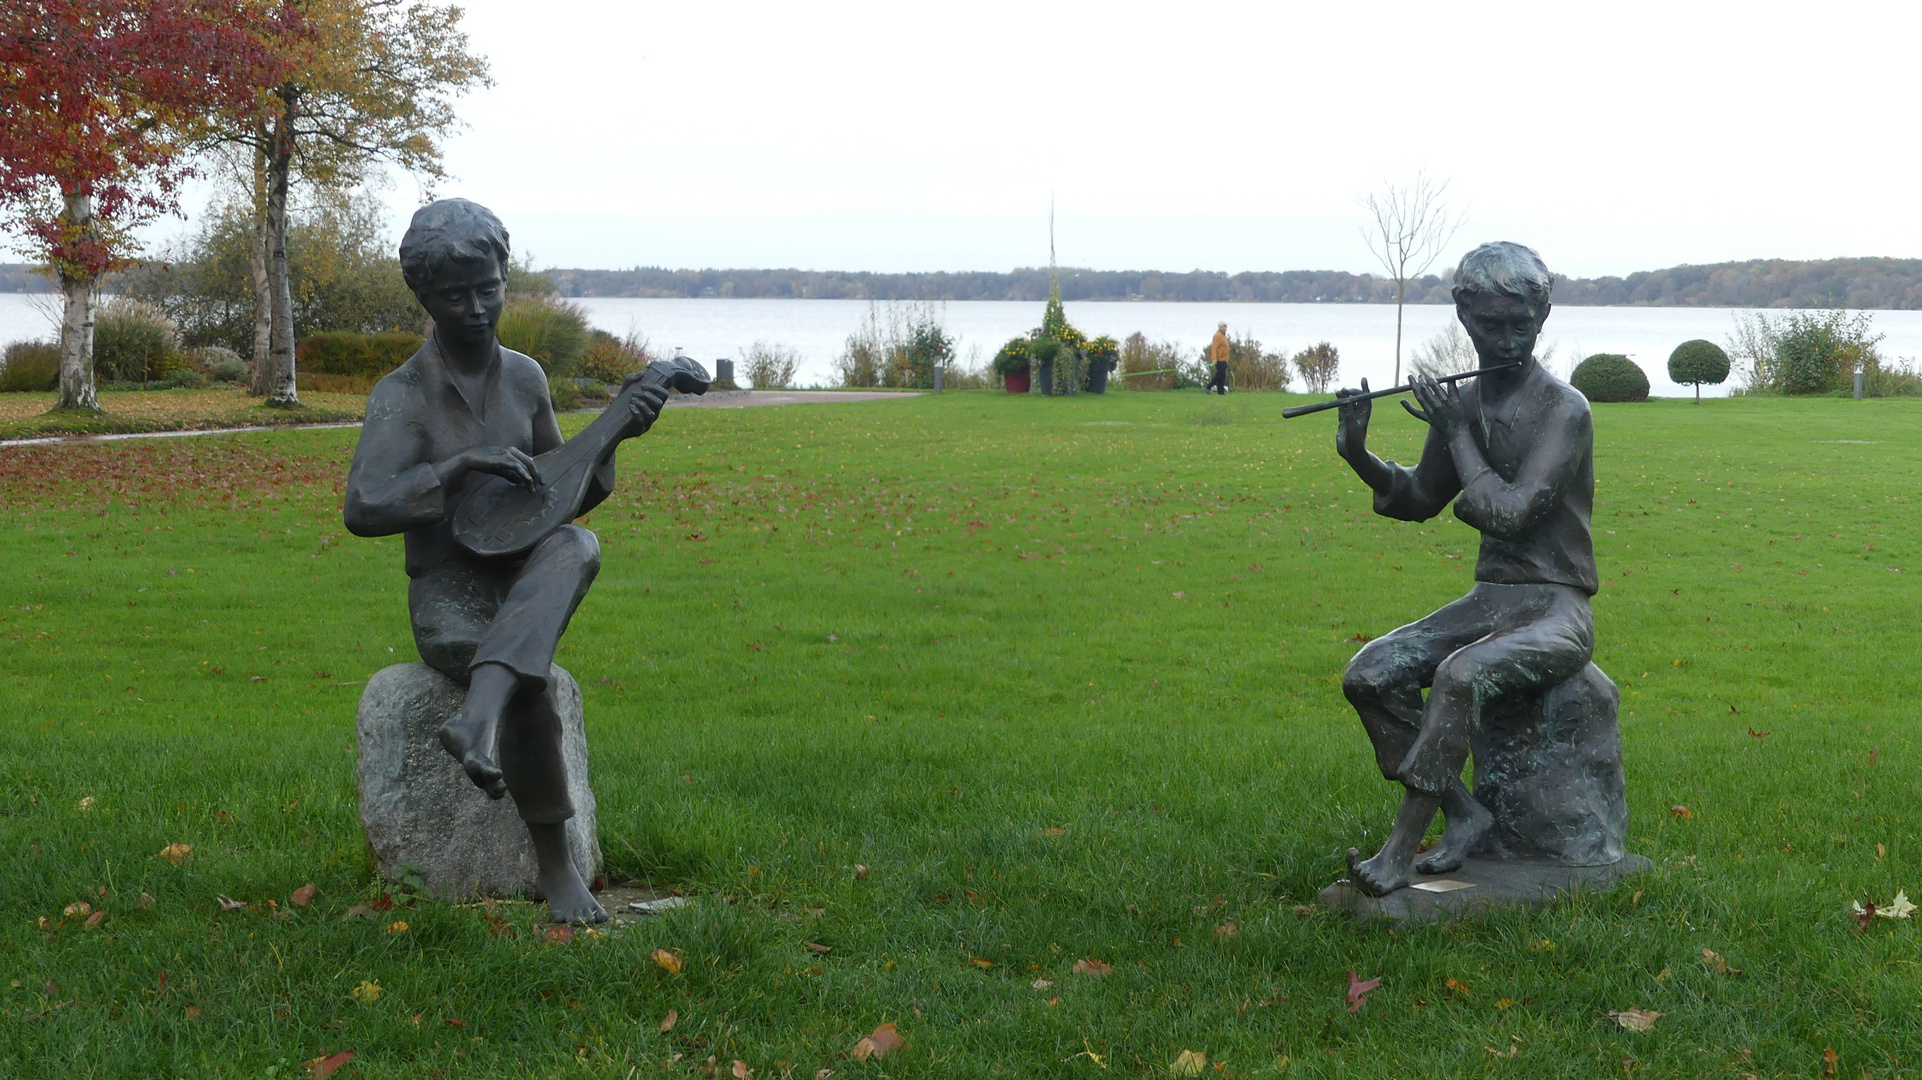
(1063, 674)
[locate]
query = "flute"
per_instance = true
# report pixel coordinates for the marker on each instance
(1303, 410)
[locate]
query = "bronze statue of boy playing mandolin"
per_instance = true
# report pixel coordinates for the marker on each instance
(456, 424)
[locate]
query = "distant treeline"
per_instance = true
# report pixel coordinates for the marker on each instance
(20, 277)
(1762, 283)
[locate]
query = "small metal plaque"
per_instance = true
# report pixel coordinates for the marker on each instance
(1444, 885)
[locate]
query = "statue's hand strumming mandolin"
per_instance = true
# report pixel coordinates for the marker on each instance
(500, 518)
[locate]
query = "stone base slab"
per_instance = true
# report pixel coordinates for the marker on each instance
(1492, 883)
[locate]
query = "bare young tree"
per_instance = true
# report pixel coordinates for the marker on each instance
(1412, 224)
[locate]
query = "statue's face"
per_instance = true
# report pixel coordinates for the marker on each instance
(1503, 327)
(465, 301)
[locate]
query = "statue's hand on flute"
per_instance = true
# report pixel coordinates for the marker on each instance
(1351, 434)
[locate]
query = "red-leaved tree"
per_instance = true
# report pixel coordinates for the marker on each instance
(100, 103)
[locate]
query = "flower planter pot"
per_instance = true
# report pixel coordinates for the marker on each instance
(1046, 373)
(1015, 384)
(1098, 377)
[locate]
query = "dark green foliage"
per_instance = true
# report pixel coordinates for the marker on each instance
(1610, 377)
(552, 331)
(31, 366)
(1816, 352)
(344, 276)
(1014, 357)
(363, 355)
(1697, 362)
(928, 346)
(1104, 350)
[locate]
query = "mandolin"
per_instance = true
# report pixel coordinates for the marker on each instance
(500, 518)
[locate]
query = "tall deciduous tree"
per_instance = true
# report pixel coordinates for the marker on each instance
(371, 81)
(99, 102)
(1411, 226)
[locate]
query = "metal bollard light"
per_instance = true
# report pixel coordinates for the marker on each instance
(1858, 384)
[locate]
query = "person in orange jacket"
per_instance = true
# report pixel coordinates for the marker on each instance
(1218, 352)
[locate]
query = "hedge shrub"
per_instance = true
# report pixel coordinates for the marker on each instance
(368, 356)
(1697, 362)
(31, 366)
(554, 332)
(134, 343)
(1610, 377)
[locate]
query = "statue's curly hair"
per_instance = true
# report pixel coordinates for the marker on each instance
(451, 230)
(1505, 267)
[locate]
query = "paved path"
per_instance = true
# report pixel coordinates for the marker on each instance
(742, 399)
(739, 399)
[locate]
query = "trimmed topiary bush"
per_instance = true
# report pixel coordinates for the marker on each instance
(1610, 377)
(1697, 362)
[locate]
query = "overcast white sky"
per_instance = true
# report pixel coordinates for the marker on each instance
(1220, 135)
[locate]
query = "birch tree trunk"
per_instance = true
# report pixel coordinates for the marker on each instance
(263, 357)
(282, 392)
(76, 326)
(261, 363)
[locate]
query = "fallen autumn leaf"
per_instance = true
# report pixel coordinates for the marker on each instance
(1190, 1063)
(884, 1041)
(669, 962)
(1358, 991)
(1636, 1019)
(1718, 965)
(176, 853)
(1094, 969)
(668, 1022)
(321, 1068)
(302, 896)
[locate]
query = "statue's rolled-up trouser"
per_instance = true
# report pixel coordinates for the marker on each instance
(1496, 641)
(512, 612)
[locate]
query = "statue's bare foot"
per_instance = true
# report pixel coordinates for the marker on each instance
(568, 900)
(466, 745)
(1465, 829)
(1380, 875)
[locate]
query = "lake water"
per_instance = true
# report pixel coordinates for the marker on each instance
(1365, 333)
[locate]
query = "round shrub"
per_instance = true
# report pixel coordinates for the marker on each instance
(1697, 362)
(1610, 377)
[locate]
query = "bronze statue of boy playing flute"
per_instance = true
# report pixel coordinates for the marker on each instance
(1514, 451)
